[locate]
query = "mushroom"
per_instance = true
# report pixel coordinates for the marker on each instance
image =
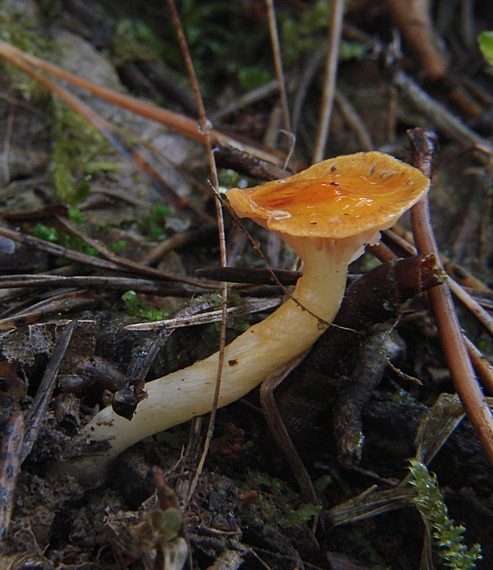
(327, 214)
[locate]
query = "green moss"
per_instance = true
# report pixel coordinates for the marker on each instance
(76, 216)
(75, 153)
(273, 502)
(22, 32)
(153, 224)
(448, 535)
(69, 241)
(45, 232)
(136, 308)
(118, 246)
(251, 77)
(308, 32)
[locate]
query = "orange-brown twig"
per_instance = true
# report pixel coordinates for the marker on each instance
(454, 347)
(184, 125)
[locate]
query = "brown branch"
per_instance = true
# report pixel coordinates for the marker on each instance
(206, 129)
(454, 347)
(179, 123)
(413, 19)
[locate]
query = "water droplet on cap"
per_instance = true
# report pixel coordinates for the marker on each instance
(279, 215)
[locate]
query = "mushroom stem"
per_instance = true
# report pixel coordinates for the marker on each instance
(251, 357)
(326, 214)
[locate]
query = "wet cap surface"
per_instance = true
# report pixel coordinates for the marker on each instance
(336, 198)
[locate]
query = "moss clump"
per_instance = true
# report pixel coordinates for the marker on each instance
(137, 308)
(21, 30)
(447, 534)
(273, 502)
(76, 153)
(153, 224)
(69, 241)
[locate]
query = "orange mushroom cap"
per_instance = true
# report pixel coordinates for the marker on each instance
(337, 198)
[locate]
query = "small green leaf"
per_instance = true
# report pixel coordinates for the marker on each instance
(485, 40)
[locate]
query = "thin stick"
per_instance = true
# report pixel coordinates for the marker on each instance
(10, 462)
(247, 308)
(354, 121)
(37, 412)
(100, 282)
(335, 31)
(118, 264)
(443, 119)
(463, 296)
(206, 129)
(59, 303)
(480, 363)
(279, 431)
(109, 132)
(454, 347)
(180, 123)
(276, 51)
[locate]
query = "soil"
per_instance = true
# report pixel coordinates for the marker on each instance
(352, 408)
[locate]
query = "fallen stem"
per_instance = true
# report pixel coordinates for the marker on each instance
(10, 463)
(206, 129)
(454, 347)
(184, 125)
(335, 32)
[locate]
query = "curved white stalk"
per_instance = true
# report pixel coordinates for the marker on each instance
(251, 357)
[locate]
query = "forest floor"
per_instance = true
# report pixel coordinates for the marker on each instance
(91, 232)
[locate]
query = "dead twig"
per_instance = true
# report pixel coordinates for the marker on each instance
(58, 303)
(413, 19)
(354, 121)
(206, 129)
(376, 353)
(250, 275)
(100, 282)
(469, 303)
(480, 363)
(279, 431)
(184, 125)
(253, 96)
(443, 119)
(276, 51)
(37, 413)
(246, 308)
(448, 325)
(335, 32)
(10, 462)
(116, 263)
